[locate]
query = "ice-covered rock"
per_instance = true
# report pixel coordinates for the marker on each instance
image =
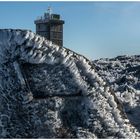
(123, 75)
(47, 91)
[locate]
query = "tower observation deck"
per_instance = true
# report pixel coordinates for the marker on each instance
(50, 26)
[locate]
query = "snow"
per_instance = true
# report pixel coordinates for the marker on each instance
(17, 69)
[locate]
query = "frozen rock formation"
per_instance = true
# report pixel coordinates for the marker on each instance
(47, 91)
(123, 74)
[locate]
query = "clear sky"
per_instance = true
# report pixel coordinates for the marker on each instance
(94, 29)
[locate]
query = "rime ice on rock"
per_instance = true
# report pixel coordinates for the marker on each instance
(47, 91)
(122, 73)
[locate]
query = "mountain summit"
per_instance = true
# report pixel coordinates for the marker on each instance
(47, 91)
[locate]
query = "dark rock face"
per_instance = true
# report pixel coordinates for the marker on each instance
(47, 91)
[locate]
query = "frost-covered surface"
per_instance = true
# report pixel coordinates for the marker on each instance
(47, 91)
(123, 74)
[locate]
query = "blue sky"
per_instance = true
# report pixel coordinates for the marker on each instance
(94, 29)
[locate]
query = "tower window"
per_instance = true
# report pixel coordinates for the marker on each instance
(57, 28)
(57, 35)
(38, 26)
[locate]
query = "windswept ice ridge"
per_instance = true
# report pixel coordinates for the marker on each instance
(39, 77)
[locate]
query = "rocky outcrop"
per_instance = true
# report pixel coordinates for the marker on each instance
(47, 91)
(123, 75)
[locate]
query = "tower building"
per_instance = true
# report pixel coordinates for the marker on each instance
(50, 26)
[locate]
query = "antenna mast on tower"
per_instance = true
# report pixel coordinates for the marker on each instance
(49, 10)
